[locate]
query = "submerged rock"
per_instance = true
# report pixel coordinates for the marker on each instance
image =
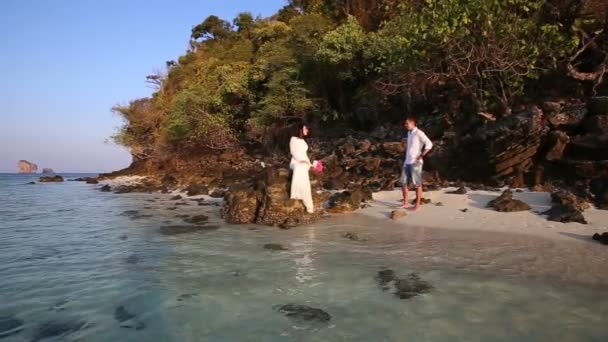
(48, 179)
(602, 238)
(10, 326)
(198, 219)
(304, 312)
(57, 328)
(506, 203)
(30, 183)
(411, 286)
(405, 288)
(353, 236)
(133, 259)
(106, 188)
(122, 315)
(274, 247)
(185, 229)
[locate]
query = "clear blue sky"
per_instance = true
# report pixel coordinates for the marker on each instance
(65, 63)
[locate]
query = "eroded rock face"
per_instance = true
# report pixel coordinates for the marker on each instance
(266, 200)
(24, 166)
(506, 203)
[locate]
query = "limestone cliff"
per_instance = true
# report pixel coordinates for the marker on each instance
(24, 166)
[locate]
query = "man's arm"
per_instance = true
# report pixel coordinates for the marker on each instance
(426, 143)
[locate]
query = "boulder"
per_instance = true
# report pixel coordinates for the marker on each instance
(304, 312)
(265, 200)
(91, 180)
(47, 179)
(349, 200)
(196, 189)
(602, 238)
(397, 214)
(506, 203)
(567, 198)
(106, 188)
(565, 213)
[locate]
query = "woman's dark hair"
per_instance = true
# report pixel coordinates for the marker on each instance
(298, 130)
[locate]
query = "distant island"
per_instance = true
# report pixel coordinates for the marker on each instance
(24, 166)
(48, 171)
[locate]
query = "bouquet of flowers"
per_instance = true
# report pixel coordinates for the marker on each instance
(318, 166)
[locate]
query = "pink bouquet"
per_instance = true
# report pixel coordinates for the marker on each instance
(318, 166)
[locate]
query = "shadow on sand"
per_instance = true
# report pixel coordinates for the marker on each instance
(580, 237)
(538, 201)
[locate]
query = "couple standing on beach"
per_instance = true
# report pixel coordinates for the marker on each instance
(418, 146)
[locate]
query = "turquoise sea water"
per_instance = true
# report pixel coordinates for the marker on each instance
(77, 264)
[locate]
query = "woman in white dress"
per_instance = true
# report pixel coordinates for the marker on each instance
(300, 165)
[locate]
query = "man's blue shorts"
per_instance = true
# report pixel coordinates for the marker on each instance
(411, 175)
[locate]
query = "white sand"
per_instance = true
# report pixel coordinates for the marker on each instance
(123, 180)
(478, 217)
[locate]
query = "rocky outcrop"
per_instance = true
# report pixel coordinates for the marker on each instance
(506, 203)
(48, 171)
(349, 200)
(47, 179)
(264, 199)
(24, 166)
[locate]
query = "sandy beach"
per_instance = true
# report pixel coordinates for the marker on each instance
(451, 215)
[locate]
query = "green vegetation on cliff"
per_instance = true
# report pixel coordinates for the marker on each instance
(359, 63)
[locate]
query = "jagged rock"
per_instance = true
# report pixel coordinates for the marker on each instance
(347, 201)
(57, 328)
(564, 213)
(304, 312)
(24, 166)
(602, 238)
(185, 229)
(106, 188)
(397, 214)
(10, 326)
(506, 203)
(196, 189)
(567, 198)
(556, 144)
(274, 247)
(460, 191)
(46, 179)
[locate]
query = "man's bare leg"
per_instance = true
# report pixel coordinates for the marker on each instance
(405, 202)
(418, 198)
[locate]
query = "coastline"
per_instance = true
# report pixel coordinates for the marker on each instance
(448, 214)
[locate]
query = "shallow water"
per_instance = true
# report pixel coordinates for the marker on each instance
(69, 254)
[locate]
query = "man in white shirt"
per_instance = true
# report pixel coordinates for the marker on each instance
(418, 146)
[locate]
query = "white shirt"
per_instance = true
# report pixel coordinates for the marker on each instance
(416, 142)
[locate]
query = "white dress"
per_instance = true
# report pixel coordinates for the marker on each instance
(300, 164)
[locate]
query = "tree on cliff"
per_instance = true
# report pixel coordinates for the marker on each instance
(358, 64)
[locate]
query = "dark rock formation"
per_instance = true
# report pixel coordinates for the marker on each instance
(274, 247)
(405, 288)
(196, 189)
(556, 144)
(91, 180)
(567, 198)
(10, 326)
(506, 203)
(24, 166)
(265, 200)
(304, 312)
(564, 214)
(217, 193)
(198, 219)
(348, 201)
(602, 238)
(397, 214)
(46, 179)
(106, 188)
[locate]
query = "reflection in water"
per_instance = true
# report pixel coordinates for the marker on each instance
(305, 269)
